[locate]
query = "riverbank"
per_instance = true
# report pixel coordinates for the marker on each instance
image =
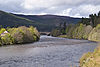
(91, 59)
(79, 31)
(87, 28)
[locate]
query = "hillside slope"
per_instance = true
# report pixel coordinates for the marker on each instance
(7, 19)
(42, 22)
(50, 21)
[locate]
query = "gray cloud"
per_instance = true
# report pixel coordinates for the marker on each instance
(76, 8)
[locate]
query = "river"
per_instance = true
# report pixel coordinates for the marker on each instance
(48, 52)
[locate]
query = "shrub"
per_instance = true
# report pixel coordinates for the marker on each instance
(95, 34)
(70, 31)
(27, 35)
(7, 39)
(75, 31)
(55, 32)
(78, 31)
(19, 35)
(34, 32)
(0, 41)
(24, 34)
(2, 30)
(87, 31)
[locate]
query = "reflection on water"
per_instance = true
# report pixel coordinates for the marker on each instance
(48, 52)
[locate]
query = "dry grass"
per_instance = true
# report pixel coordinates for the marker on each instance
(91, 59)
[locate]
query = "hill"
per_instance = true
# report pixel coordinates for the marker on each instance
(42, 22)
(7, 19)
(50, 21)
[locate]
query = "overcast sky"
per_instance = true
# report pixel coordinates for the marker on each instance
(75, 8)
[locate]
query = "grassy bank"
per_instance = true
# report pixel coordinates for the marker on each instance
(18, 35)
(91, 59)
(63, 36)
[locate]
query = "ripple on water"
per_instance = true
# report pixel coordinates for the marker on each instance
(48, 52)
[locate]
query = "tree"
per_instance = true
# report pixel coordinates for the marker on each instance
(85, 21)
(99, 14)
(92, 19)
(64, 28)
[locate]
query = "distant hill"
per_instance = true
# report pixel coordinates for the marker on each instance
(42, 22)
(7, 19)
(50, 21)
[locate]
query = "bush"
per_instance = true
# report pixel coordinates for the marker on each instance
(69, 31)
(95, 34)
(55, 32)
(7, 39)
(2, 30)
(35, 33)
(0, 41)
(75, 31)
(25, 35)
(19, 35)
(78, 31)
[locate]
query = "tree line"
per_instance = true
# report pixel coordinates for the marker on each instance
(81, 30)
(93, 20)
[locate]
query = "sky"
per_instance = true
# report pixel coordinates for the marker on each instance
(73, 8)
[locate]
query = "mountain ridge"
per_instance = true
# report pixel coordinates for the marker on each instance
(42, 22)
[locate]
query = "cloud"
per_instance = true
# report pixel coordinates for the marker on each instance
(85, 10)
(11, 5)
(65, 12)
(77, 8)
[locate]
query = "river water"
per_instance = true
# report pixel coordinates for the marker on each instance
(48, 52)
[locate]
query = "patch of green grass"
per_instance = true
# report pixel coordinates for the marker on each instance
(63, 36)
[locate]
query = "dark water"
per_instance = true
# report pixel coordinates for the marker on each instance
(48, 52)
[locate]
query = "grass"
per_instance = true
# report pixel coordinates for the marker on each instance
(63, 36)
(91, 59)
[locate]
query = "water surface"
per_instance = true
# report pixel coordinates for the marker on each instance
(48, 52)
